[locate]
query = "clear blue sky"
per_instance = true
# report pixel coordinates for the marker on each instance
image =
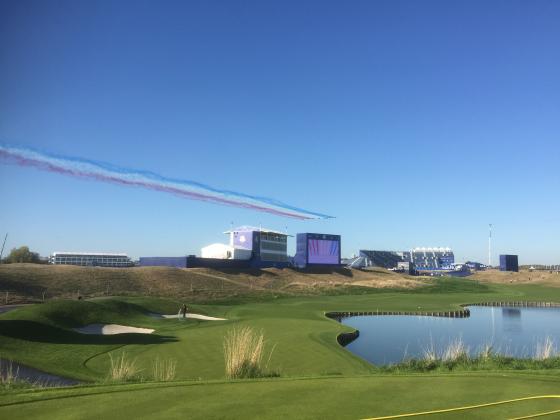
(415, 123)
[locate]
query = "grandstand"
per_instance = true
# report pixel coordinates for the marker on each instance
(433, 258)
(96, 259)
(422, 258)
(385, 259)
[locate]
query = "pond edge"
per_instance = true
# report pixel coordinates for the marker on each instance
(346, 338)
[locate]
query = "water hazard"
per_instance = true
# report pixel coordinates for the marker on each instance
(511, 331)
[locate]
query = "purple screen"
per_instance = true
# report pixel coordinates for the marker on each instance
(321, 251)
(243, 240)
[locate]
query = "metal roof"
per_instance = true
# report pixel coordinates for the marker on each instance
(423, 249)
(97, 254)
(255, 229)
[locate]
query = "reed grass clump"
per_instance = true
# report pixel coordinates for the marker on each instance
(430, 355)
(455, 351)
(243, 353)
(546, 349)
(164, 370)
(456, 357)
(8, 375)
(122, 368)
(10, 378)
(486, 352)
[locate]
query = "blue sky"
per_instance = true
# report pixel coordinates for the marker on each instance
(414, 123)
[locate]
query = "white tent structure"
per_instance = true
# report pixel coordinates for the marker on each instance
(225, 252)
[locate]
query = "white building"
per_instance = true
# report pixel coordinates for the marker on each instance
(266, 245)
(225, 252)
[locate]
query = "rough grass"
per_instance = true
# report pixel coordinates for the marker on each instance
(123, 368)
(243, 354)
(164, 370)
(8, 375)
(546, 349)
(455, 357)
(524, 276)
(36, 282)
(10, 378)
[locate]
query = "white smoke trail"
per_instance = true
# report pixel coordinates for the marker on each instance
(84, 168)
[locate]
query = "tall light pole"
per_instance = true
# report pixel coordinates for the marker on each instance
(490, 245)
(2, 251)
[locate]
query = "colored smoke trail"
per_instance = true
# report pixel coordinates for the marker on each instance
(99, 171)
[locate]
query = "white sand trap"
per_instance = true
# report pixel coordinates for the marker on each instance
(204, 317)
(112, 329)
(189, 315)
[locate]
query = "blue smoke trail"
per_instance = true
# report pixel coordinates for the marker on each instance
(86, 168)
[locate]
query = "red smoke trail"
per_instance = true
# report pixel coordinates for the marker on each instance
(22, 161)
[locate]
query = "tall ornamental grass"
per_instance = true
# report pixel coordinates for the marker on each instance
(455, 351)
(456, 356)
(8, 375)
(122, 368)
(546, 349)
(164, 370)
(243, 352)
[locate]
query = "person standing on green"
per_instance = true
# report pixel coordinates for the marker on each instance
(184, 310)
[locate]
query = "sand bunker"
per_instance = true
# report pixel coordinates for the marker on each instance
(192, 316)
(112, 329)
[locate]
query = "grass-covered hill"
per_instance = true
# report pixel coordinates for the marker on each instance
(30, 281)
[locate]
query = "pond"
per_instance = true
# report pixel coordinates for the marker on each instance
(512, 331)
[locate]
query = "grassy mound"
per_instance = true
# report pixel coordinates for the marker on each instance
(76, 313)
(41, 335)
(32, 282)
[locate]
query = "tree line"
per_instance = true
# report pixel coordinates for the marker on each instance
(23, 255)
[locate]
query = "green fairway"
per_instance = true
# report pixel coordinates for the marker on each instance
(304, 339)
(344, 398)
(319, 378)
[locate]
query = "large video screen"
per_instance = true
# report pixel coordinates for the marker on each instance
(321, 251)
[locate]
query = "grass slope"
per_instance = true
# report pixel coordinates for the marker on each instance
(28, 282)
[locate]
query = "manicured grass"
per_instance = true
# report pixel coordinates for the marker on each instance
(40, 335)
(311, 398)
(305, 346)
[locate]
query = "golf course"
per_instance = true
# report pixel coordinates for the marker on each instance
(305, 372)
